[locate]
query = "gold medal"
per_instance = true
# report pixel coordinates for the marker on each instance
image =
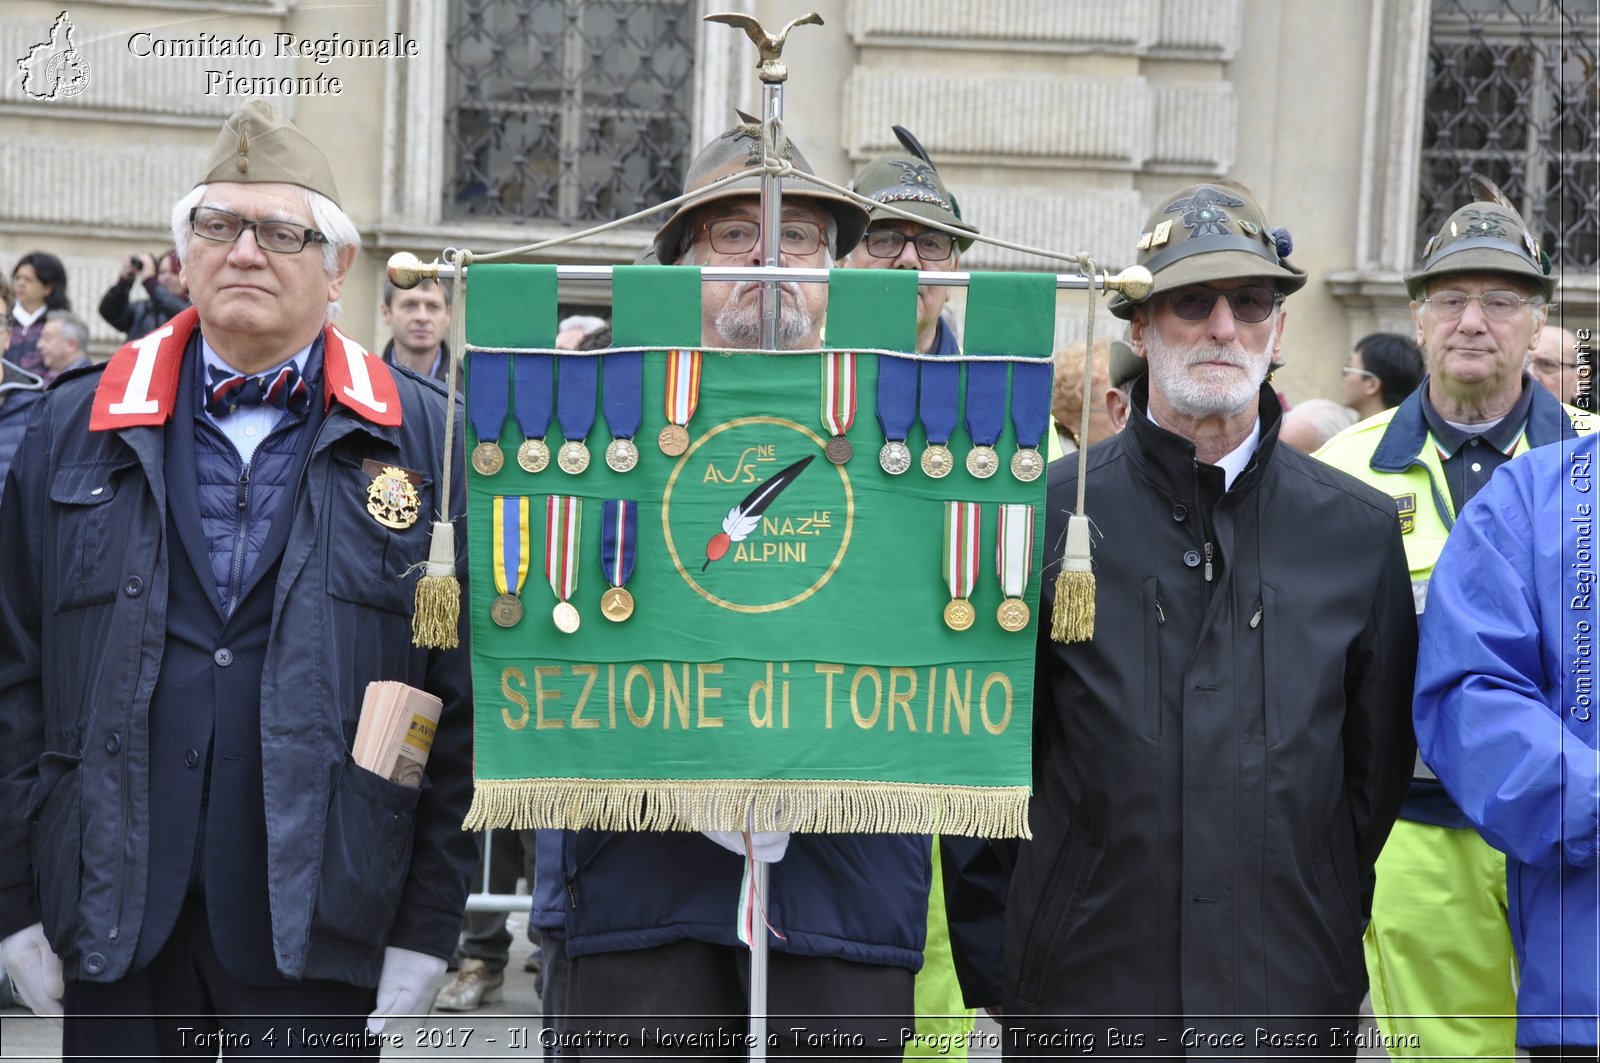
(982, 462)
(392, 498)
(958, 615)
(533, 455)
(937, 462)
(573, 457)
(838, 450)
(506, 610)
(895, 457)
(616, 604)
(1013, 614)
(621, 455)
(673, 440)
(566, 617)
(1027, 464)
(487, 459)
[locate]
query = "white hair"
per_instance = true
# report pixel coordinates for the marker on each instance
(326, 217)
(587, 322)
(1323, 417)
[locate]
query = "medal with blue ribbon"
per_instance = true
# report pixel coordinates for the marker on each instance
(1013, 563)
(1030, 415)
(575, 387)
(623, 400)
(510, 557)
(986, 415)
(897, 410)
(488, 394)
(618, 546)
(563, 528)
(533, 387)
(941, 392)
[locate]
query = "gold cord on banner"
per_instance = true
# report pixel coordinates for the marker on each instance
(435, 623)
(1072, 619)
(831, 806)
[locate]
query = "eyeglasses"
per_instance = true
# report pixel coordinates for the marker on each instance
(738, 236)
(1496, 306)
(224, 227)
(931, 245)
(1346, 370)
(1251, 304)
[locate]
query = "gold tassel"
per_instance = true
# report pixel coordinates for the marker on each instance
(1072, 619)
(435, 624)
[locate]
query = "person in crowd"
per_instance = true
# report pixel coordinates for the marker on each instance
(573, 333)
(1505, 716)
(1216, 768)
(166, 296)
(1438, 948)
(418, 320)
(19, 390)
(209, 547)
(1556, 364)
(39, 281)
(1384, 368)
(1066, 397)
(64, 343)
(853, 941)
(1310, 424)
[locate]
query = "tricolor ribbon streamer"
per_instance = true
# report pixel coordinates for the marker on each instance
(750, 907)
(683, 385)
(510, 543)
(563, 522)
(838, 392)
(1013, 549)
(963, 527)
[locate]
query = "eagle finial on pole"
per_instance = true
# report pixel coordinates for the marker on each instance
(772, 69)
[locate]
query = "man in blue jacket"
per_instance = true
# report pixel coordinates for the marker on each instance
(1506, 716)
(207, 546)
(19, 389)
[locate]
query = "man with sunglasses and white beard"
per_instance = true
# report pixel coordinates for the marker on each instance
(1216, 769)
(1439, 948)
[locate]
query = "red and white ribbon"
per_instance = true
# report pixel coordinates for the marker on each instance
(963, 527)
(1013, 549)
(683, 385)
(838, 392)
(563, 523)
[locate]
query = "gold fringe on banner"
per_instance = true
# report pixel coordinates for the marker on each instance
(826, 807)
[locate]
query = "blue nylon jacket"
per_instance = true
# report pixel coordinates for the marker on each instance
(1506, 716)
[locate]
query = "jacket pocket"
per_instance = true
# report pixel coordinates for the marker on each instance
(1060, 912)
(55, 840)
(369, 563)
(365, 853)
(89, 532)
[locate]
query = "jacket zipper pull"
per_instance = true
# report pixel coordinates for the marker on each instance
(1161, 617)
(1255, 621)
(1208, 562)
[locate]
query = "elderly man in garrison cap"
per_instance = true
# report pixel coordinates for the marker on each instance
(1438, 948)
(650, 928)
(1216, 769)
(209, 541)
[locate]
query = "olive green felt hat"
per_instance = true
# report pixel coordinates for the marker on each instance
(912, 183)
(258, 145)
(1485, 236)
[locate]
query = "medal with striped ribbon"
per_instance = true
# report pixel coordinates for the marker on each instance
(563, 524)
(838, 403)
(619, 531)
(510, 558)
(683, 395)
(1013, 562)
(963, 527)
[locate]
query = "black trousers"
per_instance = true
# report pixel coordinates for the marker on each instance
(690, 1000)
(185, 1004)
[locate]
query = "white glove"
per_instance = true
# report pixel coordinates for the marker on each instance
(767, 846)
(34, 969)
(405, 987)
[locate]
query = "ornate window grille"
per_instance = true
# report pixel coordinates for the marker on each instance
(568, 111)
(1511, 95)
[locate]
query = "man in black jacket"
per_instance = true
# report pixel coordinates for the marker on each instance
(1216, 769)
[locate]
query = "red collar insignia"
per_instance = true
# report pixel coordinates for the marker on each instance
(140, 384)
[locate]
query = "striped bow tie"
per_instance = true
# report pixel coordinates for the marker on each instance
(286, 389)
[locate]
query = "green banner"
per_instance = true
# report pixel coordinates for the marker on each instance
(787, 652)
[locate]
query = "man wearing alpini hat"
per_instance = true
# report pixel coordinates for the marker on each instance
(1439, 949)
(210, 539)
(1215, 769)
(649, 918)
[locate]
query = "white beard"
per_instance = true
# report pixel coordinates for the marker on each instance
(1198, 393)
(739, 321)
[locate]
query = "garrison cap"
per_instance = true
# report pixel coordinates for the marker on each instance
(738, 149)
(1211, 232)
(258, 145)
(912, 183)
(1485, 236)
